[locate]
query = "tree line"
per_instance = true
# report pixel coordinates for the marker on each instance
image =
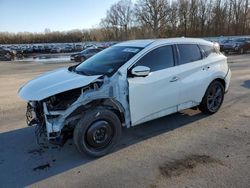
(170, 18)
(49, 37)
(153, 19)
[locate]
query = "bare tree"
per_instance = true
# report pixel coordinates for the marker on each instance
(203, 9)
(245, 7)
(240, 8)
(183, 15)
(236, 10)
(118, 19)
(124, 8)
(173, 19)
(193, 17)
(152, 14)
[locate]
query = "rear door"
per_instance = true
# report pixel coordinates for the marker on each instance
(155, 95)
(190, 74)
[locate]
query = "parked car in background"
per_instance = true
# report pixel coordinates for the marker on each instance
(41, 49)
(123, 86)
(67, 49)
(85, 54)
(7, 54)
(238, 45)
(28, 49)
(222, 43)
(48, 48)
(89, 46)
(78, 47)
(38, 49)
(56, 50)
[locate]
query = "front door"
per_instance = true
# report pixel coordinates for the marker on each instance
(155, 95)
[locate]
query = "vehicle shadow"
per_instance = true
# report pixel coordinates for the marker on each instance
(24, 162)
(246, 84)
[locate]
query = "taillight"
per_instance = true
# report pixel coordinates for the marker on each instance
(216, 47)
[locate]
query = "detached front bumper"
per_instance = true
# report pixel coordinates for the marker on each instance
(54, 124)
(45, 121)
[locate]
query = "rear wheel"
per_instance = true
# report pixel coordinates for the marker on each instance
(213, 98)
(97, 132)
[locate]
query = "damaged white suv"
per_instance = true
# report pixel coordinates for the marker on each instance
(123, 86)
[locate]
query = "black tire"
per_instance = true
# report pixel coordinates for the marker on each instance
(97, 132)
(213, 98)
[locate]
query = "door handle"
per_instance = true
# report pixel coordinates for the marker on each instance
(174, 79)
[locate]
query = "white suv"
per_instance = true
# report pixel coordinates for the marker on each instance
(123, 86)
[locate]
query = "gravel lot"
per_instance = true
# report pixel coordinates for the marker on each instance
(186, 149)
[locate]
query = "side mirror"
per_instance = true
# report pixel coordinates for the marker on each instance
(140, 71)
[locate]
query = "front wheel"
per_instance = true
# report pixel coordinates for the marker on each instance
(213, 98)
(97, 132)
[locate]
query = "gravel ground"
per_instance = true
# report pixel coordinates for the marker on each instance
(186, 149)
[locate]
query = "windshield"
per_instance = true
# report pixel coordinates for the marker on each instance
(108, 61)
(88, 50)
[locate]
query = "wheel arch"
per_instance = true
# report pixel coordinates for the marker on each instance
(108, 103)
(221, 80)
(203, 106)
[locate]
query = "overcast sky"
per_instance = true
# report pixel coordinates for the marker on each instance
(57, 15)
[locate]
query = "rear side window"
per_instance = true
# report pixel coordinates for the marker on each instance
(158, 59)
(189, 53)
(207, 49)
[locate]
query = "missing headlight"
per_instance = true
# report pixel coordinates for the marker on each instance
(63, 100)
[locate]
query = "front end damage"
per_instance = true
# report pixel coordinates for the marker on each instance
(55, 117)
(45, 114)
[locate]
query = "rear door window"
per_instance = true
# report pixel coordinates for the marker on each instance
(188, 53)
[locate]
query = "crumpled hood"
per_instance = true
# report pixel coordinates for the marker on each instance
(52, 83)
